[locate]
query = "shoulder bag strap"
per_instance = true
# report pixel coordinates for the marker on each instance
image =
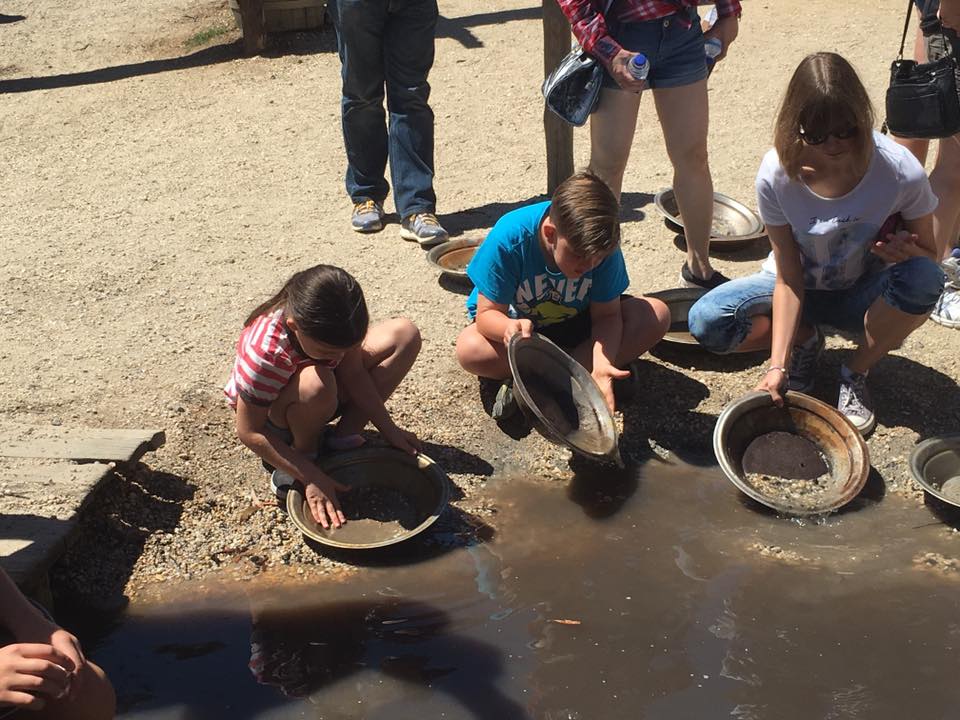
(906, 26)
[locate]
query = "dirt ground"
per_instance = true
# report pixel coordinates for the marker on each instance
(157, 187)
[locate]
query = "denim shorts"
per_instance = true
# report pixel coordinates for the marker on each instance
(675, 53)
(721, 319)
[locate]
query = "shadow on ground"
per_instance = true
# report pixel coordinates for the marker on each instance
(131, 505)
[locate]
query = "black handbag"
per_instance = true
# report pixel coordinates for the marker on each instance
(922, 99)
(573, 88)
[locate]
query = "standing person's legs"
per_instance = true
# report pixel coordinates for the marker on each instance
(611, 135)
(684, 117)
(360, 28)
(408, 45)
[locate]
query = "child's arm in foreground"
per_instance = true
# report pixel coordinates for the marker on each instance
(494, 323)
(251, 426)
(787, 306)
(606, 320)
(356, 384)
(41, 665)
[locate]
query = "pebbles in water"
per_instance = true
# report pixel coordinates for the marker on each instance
(790, 492)
(789, 470)
(381, 504)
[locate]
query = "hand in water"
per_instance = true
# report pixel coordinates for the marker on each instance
(320, 491)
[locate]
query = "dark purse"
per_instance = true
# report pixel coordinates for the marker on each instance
(573, 88)
(922, 99)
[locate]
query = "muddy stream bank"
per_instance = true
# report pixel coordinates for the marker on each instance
(650, 593)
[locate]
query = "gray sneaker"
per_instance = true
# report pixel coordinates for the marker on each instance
(855, 403)
(505, 403)
(803, 364)
(423, 228)
(947, 310)
(367, 217)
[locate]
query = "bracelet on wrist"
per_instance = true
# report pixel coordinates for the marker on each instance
(776, 367)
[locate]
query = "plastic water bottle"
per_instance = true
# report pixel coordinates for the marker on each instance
(712, 48)
(639, 66)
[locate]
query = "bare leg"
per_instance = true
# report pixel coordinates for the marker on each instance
(945, 181)
(389, 351)
(305, 406)
(480, 356)
(611, 135)
(684, 117)
(885, 329)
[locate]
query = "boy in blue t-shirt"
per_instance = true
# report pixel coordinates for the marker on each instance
(556, 268)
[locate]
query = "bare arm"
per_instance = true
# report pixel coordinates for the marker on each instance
(320, 488)
(494, 323)
(950, 14)
(606, 321)
(787, 307)
(251, 423)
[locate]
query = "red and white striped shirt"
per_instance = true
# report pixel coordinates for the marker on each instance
(267, 357)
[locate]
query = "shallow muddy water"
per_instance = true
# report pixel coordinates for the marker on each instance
(651, 593)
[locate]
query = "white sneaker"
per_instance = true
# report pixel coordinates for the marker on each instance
(947, 310)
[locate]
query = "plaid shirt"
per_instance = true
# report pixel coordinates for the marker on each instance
(590, 28)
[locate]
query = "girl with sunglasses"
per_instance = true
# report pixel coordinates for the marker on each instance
(849, 217)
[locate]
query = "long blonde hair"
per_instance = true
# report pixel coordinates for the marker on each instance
(824, 94)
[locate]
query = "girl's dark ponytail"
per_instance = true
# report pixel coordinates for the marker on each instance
(326, 303)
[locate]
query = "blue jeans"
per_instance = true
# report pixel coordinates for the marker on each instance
(387, 43)
(721, 319)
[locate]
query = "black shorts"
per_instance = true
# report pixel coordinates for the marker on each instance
(569, 333)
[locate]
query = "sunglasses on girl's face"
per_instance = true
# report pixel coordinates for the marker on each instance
(812, 138)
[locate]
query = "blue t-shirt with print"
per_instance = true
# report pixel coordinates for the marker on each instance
(509, 269)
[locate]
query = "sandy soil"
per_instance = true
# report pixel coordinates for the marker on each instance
(154, 191)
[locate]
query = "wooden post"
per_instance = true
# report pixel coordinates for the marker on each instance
(251, 15)
(558, 134)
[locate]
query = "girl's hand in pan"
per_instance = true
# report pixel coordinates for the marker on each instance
(320, 491)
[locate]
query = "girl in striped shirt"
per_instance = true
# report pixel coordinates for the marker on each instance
(305, 357)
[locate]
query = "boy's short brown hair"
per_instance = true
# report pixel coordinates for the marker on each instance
(586, 214)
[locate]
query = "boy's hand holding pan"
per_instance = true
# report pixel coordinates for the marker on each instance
(522, 326)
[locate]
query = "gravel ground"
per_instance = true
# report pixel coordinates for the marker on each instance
(157, 189)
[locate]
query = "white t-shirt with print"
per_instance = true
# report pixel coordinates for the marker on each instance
(835, 235)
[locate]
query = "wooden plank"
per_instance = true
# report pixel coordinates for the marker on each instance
(80, 444)
(39, 507)
(557, 133)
